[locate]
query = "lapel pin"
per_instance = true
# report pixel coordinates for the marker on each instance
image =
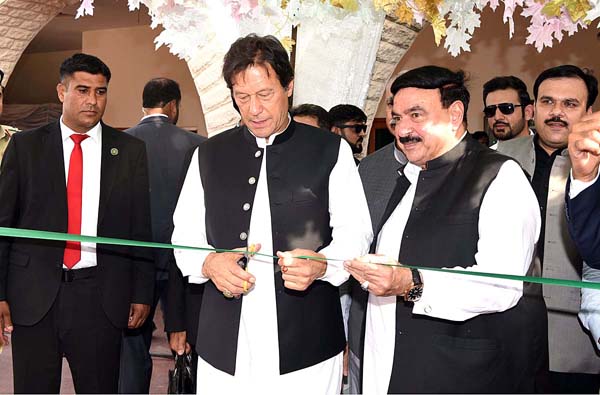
(114, 151)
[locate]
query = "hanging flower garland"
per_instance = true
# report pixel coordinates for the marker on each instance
(453, 21)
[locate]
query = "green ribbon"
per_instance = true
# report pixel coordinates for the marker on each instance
(45, 235)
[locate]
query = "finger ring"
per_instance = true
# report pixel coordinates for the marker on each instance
(284, 269)
(227, 294)
(365, 286)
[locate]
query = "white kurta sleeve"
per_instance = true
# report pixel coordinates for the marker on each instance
(190, 228)
(509, 227)
(589, 314)
(349, 217)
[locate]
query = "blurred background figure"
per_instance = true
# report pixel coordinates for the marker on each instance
(311, 114)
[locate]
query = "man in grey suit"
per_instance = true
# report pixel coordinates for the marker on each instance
(169, 153)
(378, 172)
(563, 95)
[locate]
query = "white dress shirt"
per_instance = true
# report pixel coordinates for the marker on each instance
(257, 359)
(90, 189)
(506, 245)
(153, 115)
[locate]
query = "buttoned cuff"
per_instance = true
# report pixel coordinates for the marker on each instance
(191, 262)
(335, 273)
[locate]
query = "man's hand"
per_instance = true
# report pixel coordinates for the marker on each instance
(6, 325)
(137, 315)
(222, 269)
(299, 274)
(383, 280)
(178, 343)
(584, 147)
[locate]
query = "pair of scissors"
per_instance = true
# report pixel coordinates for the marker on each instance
(243, 261)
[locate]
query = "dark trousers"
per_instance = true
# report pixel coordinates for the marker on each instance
(77, 328)
(136, 362)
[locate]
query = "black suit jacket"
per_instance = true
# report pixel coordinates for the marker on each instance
(33, 196)
(583, 216)
(170, 151)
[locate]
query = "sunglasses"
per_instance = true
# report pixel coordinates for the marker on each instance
(357, 128)
(505, 108)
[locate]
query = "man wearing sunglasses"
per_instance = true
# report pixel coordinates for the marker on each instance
(563, 96)
(350, 122)
(507, 107)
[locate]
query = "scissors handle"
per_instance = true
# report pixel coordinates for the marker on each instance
(243, 262)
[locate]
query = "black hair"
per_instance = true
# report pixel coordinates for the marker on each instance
(450, 84)
(570, 71)
(481, 135)
(254, 50)
(343, 113)
(83, 62)
(313, 110)
(507, 82)
(160, 91)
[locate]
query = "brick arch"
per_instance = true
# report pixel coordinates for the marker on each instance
(20, 22)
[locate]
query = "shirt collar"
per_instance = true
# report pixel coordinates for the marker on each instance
(153, 115)
(262, 142)
(3, 132)
(66, 132)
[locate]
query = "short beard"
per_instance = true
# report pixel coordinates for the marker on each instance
(513, 131)
(357, 148)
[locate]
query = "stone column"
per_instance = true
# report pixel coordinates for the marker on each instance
(396, 39)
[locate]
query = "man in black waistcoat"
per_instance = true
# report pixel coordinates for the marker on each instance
(434, 332)
(270, 324)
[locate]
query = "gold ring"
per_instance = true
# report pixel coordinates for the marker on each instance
(284, 269)
(227, 294)
(245, 286)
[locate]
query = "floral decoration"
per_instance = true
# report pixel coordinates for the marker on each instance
(453, 21)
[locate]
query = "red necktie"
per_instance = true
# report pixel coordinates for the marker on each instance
(74, 182)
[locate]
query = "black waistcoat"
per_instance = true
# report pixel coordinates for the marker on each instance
(435, 355)
(298, 166)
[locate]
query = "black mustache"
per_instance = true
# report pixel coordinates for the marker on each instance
(556, 120)
(409, 139)
(500, 123)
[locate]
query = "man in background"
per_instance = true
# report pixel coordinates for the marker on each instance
(311, 114)
(507, 107)
(563, 96)
(349, 122)
(169, 151)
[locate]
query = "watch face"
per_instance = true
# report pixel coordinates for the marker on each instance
(414, 294)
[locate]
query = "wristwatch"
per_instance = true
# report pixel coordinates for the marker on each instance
(414, 293)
